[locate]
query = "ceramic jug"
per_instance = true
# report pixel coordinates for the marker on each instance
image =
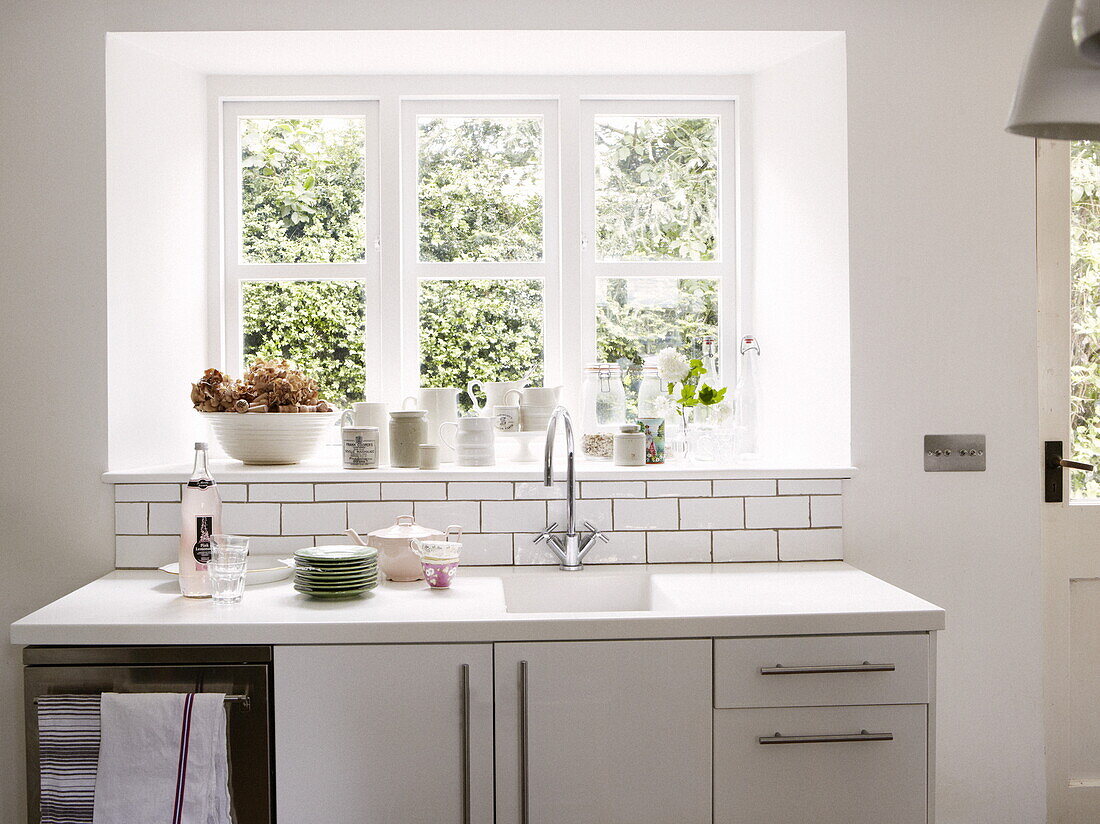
(442, 407)
(473, 441)
(494, 393)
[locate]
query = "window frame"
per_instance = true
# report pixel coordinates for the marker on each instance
(413, 270)
(392, 368)
(236, 271)
(724, 269)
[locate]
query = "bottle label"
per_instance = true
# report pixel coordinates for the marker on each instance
(204, 529)
(200, 484)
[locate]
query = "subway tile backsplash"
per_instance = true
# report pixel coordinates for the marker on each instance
(654, 521)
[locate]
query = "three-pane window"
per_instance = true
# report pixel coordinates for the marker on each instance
(519, 249)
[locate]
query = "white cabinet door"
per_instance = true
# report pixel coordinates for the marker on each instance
(384, 734)
(795, 776)
(615, 732)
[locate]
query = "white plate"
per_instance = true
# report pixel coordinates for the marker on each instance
(261, 570)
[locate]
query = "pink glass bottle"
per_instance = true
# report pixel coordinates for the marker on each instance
(201, 519)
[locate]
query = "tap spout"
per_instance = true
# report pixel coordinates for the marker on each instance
(560, 412)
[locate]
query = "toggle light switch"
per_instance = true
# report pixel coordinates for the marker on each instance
(954, 453)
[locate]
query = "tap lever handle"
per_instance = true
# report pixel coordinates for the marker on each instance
(546, 533)
(596, 533)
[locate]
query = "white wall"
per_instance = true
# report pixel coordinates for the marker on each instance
(800, 214)
(156, 213)
(942, 310)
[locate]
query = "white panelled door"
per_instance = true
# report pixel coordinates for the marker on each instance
(1071, 527)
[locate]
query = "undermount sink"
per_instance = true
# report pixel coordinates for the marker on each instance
(586, 591)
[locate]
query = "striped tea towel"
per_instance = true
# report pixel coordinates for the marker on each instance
(68, 752)
(163, 758)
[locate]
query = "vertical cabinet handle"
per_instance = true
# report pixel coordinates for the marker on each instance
(524, 809)
(465, 744)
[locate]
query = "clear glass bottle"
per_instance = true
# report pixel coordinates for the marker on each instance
(711, 377)
(604, 409)
(649, 389)
(200, 520)
(746, 396)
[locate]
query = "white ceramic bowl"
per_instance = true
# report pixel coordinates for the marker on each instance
(270, 437)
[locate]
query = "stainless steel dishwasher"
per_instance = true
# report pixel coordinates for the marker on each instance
(243, 673)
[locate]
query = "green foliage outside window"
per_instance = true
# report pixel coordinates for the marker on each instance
(656, 188)
(302, 190)
(1085, 265)
(628, 330)
(479, 188)
(486, 330)
(317, 324)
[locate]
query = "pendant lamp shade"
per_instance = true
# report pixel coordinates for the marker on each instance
(1086, 29)
(1059, 93)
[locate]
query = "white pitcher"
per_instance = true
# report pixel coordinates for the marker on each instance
(442, 406)
(494, 393)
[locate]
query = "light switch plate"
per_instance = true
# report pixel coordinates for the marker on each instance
(954, 453)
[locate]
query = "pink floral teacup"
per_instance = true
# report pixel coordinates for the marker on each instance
(439, 572)
(439, 559)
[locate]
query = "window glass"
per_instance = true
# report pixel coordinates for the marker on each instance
(480, 329)
(656, 188)
(1085, 314)
(637, 317)
(302, 189)
(317, 324)
(480, 188)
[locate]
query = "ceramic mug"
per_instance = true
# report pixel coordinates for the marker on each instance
(442, 406)
(541, 396)
(535, 418)
(473, 441)
(495, 392)
(505, 418)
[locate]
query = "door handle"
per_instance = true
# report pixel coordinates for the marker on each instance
(1085, 467)
(1054, 483)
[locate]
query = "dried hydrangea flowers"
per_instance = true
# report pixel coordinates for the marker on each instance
(267, 386)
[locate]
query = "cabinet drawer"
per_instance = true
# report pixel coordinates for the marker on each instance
(799, 776)
(820, 670)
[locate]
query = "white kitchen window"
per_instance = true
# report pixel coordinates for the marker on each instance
(479, 239)
(301, 228)
(400, 241)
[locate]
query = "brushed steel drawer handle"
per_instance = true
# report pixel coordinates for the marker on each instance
(860, 736)
(866, 666)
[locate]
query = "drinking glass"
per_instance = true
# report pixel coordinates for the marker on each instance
(228, 563)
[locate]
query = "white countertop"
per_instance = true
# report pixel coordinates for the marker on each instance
(690, 600)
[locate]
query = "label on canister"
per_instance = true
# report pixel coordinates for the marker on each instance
(360, 444)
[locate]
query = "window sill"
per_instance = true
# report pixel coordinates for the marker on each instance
(323, 471)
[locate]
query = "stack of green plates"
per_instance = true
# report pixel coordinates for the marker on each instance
(335, 571)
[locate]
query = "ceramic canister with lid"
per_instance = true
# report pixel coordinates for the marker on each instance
(408, 429)
(396, 558)
(630, 446)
